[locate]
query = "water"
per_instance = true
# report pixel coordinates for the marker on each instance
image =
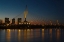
(32, 35)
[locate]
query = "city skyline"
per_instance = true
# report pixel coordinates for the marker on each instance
(31, 20)
(20, 21)
(37, 9)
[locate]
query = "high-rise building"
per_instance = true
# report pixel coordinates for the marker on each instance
(13, 21)
(19, 20)
(7, 21)
(0, 21)
(57, 22)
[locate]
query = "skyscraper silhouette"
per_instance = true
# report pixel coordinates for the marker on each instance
(13, 21)
(19, 20)
(7, 21)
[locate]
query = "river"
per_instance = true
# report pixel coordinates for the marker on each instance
(31, 35)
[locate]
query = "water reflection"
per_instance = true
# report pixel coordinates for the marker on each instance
(31, 35)
(37, 33)
(2, 35)
(43, 33)
(8, 35)
(58, 34)
(50, 32)
(19, 35)
(25, 35)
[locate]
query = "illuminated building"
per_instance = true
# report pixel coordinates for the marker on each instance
(19, 20)
(13, 21)
(57, 22)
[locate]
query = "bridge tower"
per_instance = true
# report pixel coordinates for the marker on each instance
(25, 16)
(25, 13)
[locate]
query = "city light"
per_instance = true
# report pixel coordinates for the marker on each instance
(19, 30)
(19, 23)
(26, 24)
(7, 24)
(8, 30)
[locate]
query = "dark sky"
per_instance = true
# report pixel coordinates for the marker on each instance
(37, 9)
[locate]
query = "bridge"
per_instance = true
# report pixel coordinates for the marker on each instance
(28, 17)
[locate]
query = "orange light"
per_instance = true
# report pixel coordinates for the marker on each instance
(8, 30)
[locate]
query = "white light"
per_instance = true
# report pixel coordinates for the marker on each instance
(19, 23)
(7, 24)
(27, 23)
(19, 30)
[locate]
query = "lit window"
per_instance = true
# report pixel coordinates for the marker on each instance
(7, 24)
(19, 23)
(27, 23)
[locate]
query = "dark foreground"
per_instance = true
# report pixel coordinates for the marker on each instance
(31, 26)
(31, 35)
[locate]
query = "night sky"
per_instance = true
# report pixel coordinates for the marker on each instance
(38, 10)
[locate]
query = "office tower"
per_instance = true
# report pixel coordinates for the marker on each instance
(19, 20)
(13, 21)
(0, 21)
(7, 21)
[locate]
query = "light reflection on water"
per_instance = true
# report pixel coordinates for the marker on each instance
(31, 35)
(8, 35)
